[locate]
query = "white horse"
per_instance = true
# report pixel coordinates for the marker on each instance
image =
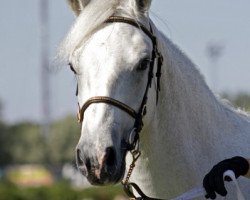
(184, 135)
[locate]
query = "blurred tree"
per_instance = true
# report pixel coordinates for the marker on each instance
(241, 100)
(1, 110)
(26, 145)
(62, 140)
(23, 143)
(4, 141)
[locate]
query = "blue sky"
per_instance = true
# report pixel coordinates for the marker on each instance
(192, 25)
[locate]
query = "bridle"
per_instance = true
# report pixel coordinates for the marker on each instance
(132, 144)
(142, 110)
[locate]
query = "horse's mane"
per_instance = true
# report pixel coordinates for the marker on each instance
(232, 108)
(90, 19)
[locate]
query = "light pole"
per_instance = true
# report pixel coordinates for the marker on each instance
(45, 79)
(214, 52)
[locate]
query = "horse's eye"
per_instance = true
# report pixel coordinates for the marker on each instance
(72, 69)
(143, 65)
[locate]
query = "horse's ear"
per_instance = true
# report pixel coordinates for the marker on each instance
(143, 5)
(78, 5)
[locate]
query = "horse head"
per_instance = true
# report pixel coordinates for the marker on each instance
(110, 60)
(113, 51)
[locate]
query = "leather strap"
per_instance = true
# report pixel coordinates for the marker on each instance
(107, 100)
(132, 22)
(128, 187)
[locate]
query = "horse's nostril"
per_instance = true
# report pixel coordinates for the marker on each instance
(79, 159)
(110, 156)
(88, 164)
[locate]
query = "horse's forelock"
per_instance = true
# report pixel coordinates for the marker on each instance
(86, 23)
(92, 17)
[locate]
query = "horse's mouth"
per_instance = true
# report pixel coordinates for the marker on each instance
(105, 177)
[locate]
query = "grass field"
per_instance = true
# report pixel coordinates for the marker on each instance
(59, 191)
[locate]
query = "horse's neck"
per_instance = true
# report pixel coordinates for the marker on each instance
(189, 123)
(188, 106)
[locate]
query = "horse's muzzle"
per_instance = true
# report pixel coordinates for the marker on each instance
(101, 170)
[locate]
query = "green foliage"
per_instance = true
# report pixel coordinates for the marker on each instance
(23, 143)
(5, 145)
(26, 145)
(240, 100)
(59, 191)
(1, 109)
(243, 101)
(62, 140)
